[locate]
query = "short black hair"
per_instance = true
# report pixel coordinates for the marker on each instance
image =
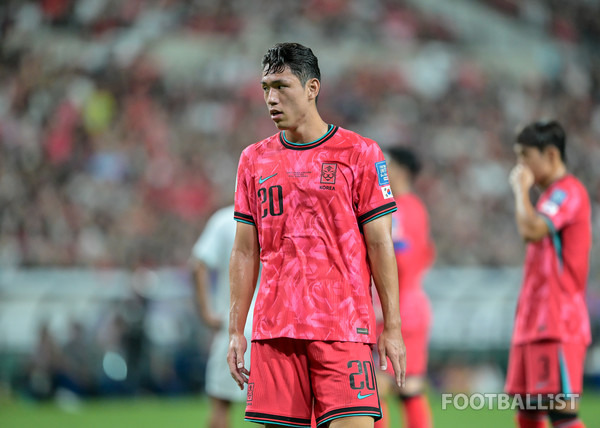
(406, 158)
(542, 134)
(300, 59)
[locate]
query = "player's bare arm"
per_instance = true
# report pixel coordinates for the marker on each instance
(531, 225)
(207, 315)
(243, 273)
(380, 250)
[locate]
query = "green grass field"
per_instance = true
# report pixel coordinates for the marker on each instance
(193, 413)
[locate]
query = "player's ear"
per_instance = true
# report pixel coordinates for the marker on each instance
(552, 153)
(313, 87)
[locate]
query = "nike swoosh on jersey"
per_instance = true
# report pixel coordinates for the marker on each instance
(262, 180)
(360, 396)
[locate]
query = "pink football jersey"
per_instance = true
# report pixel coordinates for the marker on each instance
(552, 300)
(309, 203)
(415, 253)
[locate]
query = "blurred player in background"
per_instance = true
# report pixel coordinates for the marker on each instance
(415, 253)
(211, 255)
(303, 197)
(552, 328)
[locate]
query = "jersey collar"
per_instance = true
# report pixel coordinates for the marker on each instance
(331, 130)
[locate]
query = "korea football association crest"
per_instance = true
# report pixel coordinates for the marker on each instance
(328, 171)
(328, 174)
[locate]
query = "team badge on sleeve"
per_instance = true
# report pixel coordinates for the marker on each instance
(550, 208)
(382, 174)
(387, 192)
(558, 196)
(552, 205)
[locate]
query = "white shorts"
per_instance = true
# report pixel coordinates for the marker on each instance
(219, 383)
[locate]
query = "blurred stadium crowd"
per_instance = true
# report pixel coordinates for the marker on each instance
(121, 122)
(115, 350)
(114, 149)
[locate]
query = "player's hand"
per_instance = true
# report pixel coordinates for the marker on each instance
(521, 178)
(235, 358)
(212, 321)
(391, 345)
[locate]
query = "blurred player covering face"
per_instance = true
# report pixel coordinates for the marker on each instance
(552, 328)
(291, 84)
(540, 148)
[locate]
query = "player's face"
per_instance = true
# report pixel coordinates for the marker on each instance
(287, 99)
(536, 160)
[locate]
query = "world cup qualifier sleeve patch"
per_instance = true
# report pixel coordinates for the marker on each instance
(552, 205)
(558, 196)
(382, 174)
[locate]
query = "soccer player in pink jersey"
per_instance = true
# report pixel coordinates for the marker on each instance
(415, 253)
(313, 204)
(552, 328)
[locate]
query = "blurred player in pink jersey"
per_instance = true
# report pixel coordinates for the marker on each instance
(313, 204)
(552, 328)
(414, 255)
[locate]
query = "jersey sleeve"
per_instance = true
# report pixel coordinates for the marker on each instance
(243, 192)
(207, 247)
(560, 208)
(372, 195)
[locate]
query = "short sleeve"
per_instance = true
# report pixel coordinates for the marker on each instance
(373, 195)
(243, 193)
(561, 208)
(207, 247)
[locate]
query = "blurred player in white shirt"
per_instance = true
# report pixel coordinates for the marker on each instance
(211, 254)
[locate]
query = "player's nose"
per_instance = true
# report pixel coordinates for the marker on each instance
(272, 97)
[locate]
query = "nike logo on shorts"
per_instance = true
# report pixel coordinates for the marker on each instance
(360, 396)
(262, 180)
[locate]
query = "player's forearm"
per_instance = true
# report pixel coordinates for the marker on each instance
(529, 223)
(385, 275)
(243, 273)
(200, 280)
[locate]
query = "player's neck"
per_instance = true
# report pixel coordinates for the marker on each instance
(401, 189)
(308, 130)
(558, 173)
